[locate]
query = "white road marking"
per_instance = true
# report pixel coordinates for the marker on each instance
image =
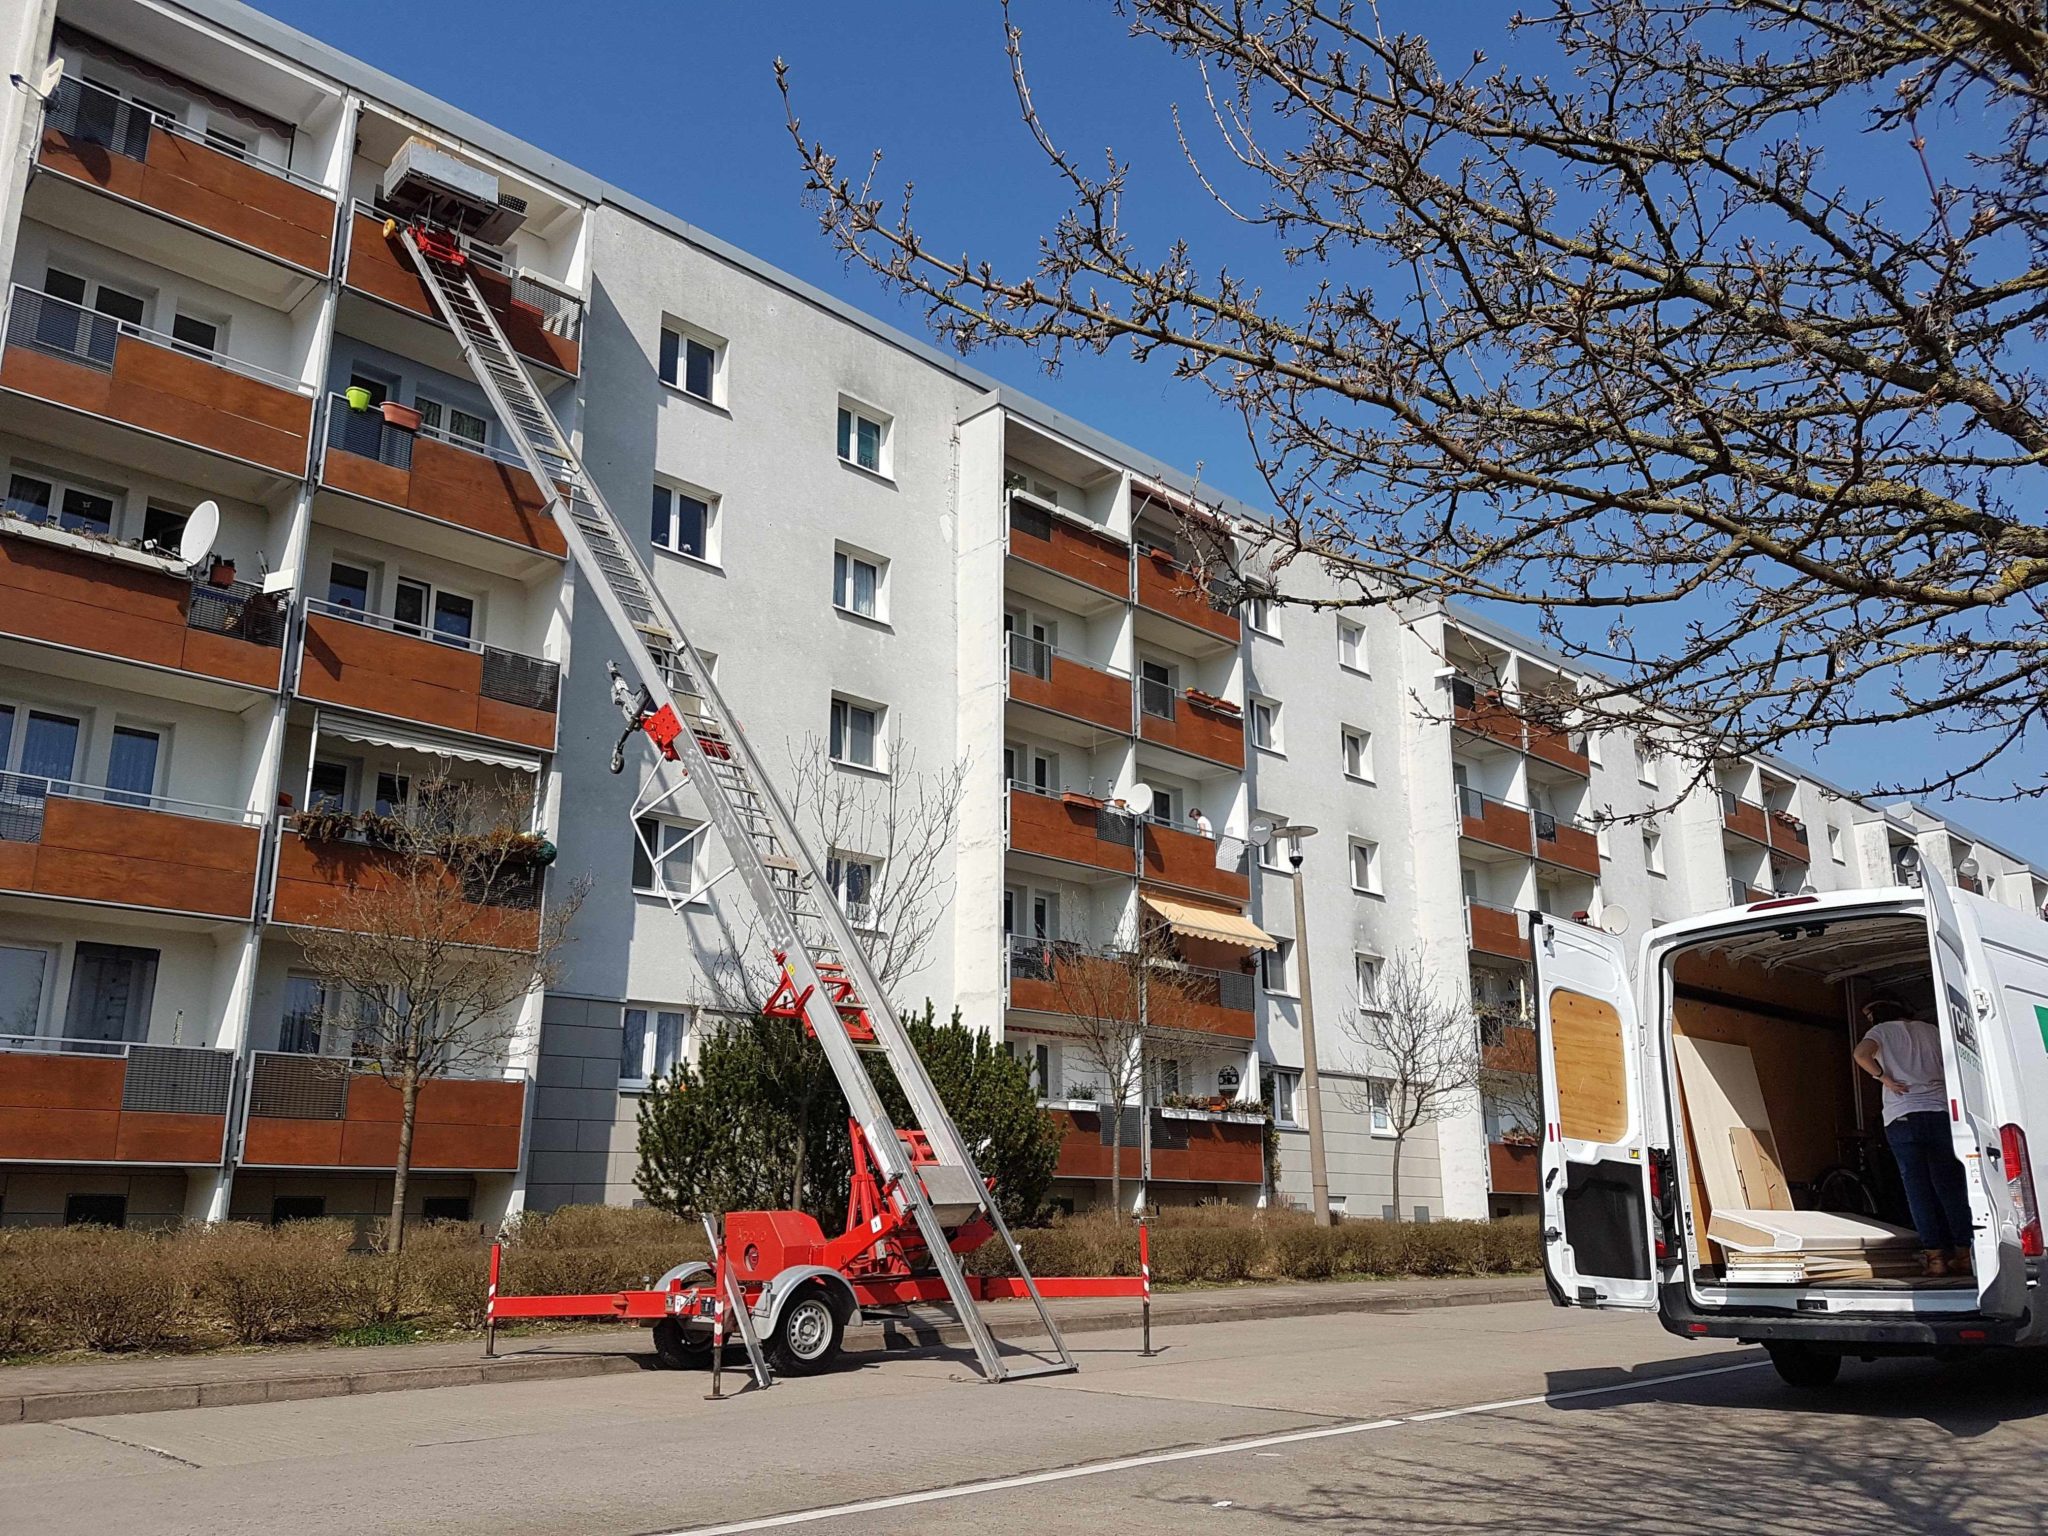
(1188, 1453)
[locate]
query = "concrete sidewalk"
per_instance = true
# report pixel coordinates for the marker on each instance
(40, 1393)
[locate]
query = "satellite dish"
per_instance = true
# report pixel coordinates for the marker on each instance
(1138, 799)
(53, 75)
(201, 529)
(1261, 834)
(1614, 920)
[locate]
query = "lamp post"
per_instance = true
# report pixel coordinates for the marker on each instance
(1311, 1082)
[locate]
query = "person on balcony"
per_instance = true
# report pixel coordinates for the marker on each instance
(1200, 822)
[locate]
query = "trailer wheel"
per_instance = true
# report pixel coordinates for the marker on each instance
(1808, 1369)
(807, 1335)
(676, 1349)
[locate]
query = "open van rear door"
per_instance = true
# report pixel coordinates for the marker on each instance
(1595, 1191)
(1973, 1117)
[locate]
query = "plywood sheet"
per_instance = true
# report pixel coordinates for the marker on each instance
(1587, 1054)
(1756, 1165)
(1722, 1095)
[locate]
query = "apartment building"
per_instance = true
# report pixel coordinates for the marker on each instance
(998, 657)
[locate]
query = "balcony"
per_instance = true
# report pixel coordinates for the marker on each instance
(78, 842)
(439, 476)
(1495, 931)
(1483, 712)
(1745, 818)
(1513, 1167)
(1741, 893)
(317, 882)
(1199, 724)
(1562, 749)
(95, 139)
(543, 324)
(1788, 838)
(1188, 860)
(76, 358)
(1051, 679)
(64, 589)
(1483, 819)
(1165, 586)
(1075, 829)
(1052, 976)
(326, 1112)
(1052, 543)
(112, 1101)
(366, 662)
(1566, 845)
(1188, 1146)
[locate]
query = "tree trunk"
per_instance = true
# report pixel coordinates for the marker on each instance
(1116, 1160)
(408, 1111)
(1400, 1141)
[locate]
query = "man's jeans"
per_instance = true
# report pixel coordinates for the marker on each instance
(1933, 1178)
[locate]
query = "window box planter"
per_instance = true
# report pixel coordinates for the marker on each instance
(1214, 705)
(403, 417)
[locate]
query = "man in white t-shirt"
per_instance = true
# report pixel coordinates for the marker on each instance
(1904, 1053)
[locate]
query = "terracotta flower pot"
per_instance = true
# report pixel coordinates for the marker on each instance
(404, 417)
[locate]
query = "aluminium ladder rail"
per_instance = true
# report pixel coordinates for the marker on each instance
(759, 833)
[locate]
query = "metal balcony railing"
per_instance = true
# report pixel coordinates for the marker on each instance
(368, 435)
(1032, 958)
(1223, 593)
(90, 114)
(24, 797)
(508, 676)
(293, 1085)
(161, 1079)
(57, 327)
(241, 610)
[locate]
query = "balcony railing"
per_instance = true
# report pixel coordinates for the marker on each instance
(24, 797)
(368, 435)
(241, 610)
(334, 1111)
(1742, 893)
(80, 110)
(520, 302)
(508, 676)
(112, 1101)
(1495, 931)
(1500, 823)
(57, 327)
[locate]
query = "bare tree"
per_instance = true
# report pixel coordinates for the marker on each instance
(1704, 331)
(1422, 1042)
(1508, 1079)
(436, 938)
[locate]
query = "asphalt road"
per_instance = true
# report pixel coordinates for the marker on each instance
(1514, 1417)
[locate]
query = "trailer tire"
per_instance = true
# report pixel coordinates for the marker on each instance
(1804, 1367)
(676, 1349)
(807, 1333)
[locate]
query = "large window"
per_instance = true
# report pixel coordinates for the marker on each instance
(672, 868)
(864, 438)
(24, 977)
(857, 583)
(112, 988)
(651, 1043)
(348, 586)
(72, 506)
(856, 733)
(132, 764)
(36, 746)
(685, 522)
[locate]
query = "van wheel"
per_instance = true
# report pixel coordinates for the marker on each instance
(677, 1350)
(807, 1335)
(1808, 1369)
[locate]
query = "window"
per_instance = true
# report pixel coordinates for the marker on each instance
(1365, 866)
(95, 1210)
(1379, 1098)
(47, 749)
(328, 789)
(863, 439)
(1653, 850)
(24, 974)
(1646, 762)
(1166, 1077)
(1283, 1088)
(348, 586)
(1265, 723)
(1365, 973)
(192, 334)
(74, 508)
(284, 1208)
(1156, 688)
(1357, 754)
(1272, 852)
(112, 987)
(673, 860)
(852, 883)
(132, 765)
(417, 606)
(695, 364)
(1835, 844)
(163, 526)
(446, 421)
(683, 522)
(651, 1043)
(857, 584)
(1593, 740)
(1276, 967)
(228, 144)
(1603, 843)
(308, 1003)
(394, 793)
(1258, 612)
(445, 1208)
(856, 734)
(1351, 646)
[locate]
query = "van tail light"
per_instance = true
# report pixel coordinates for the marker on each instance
(2019, 1178)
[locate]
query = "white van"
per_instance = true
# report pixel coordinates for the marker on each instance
(1702, 1109)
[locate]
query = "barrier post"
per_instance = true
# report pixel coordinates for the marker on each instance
(1145, 1276)
(717, 1330)
(491, 1304)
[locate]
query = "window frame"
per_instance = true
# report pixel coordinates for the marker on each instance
(1361, 661)
(852, 414)
(673, 367)
(1258, 614)
(1290, 1079)
(675, 492)
(1364, 772)
(1375, 884)
(1653, 851)
(844, 558)
(688, 835)
(651, 1068)
(1379, 1104)
(62, 483)
(838, 735)
(1268, 737)
(1277, 967)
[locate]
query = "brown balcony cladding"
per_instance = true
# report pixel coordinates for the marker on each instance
(1048, 679)
(1197, 725)
(1745, 819)
(54, 842)
(1565, 749)
(1788, 837)
(369, 457)
(1054, 544)
(107, 1102)
(1495, 931)
(92, 136)
(67, 597)
(1512, 1168)
(480, 690)
(1188, 860)
(1566, 846)
(1075, 830)
(1494, 822)
(315, 881)
(1185, 1151)
(69, 356)
(1047, 976)
(1164, 586)
(1483, 712)
(533, 320)
(315, 1112)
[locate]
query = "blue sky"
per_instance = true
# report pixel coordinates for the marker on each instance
(676, 101)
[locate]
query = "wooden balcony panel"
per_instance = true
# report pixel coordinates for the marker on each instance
(380, 268)
(58, 1107)
(313, 881)
(1217, 1152)
(1746, 820)
(1555, 746)
(138, 857)
(360, 666)
(1057, 830)
(1211, 735)
(1570, 848)
(1078, 690)
(1497, 825)
(1513, 1169)
(1093, 559)
(1497, 931)
(178, 396)
(1188, 860)
(454, 486)
(1488, 715)
(1164, 587)
(1788, 838)
(462, 1124)
(202, 186)
(1082, 1152)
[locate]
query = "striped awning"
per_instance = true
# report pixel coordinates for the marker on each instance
(1211, 923)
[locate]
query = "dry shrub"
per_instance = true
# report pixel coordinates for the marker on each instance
(90, 1288)
(267, 1284)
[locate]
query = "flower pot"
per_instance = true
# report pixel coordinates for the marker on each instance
(358, 398)
(403, 417)
(221, 573)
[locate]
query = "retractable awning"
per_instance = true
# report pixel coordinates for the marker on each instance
(375, 733)
(1210, 923)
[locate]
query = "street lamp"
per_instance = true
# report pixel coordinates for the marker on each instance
(1311, 1083)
